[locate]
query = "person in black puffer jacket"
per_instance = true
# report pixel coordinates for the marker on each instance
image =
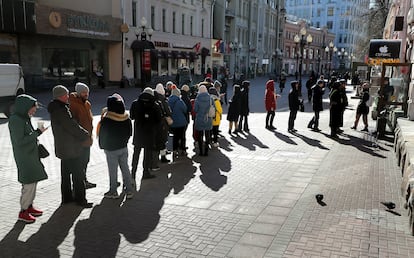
(115, 131)
(294, 104)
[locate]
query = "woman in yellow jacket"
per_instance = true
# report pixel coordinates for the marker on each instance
(214, 95)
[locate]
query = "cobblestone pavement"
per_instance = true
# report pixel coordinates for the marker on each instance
(254, 196)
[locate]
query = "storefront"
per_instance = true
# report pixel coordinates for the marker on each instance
(71, 46)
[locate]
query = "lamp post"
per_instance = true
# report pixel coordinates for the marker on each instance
(234, 46)
(330, 49)
(145, 54)
(342, 55)
(302, 41)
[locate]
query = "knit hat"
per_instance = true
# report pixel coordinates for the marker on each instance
(185, 88)
(160, 89)
(115, 104)
(176, 92)
(81, 87)
(213, 91)
(217, 84)
(59, 91)
(149, 91)
(202, 89)
(169, 84)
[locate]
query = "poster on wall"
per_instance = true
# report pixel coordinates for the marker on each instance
(147, 60)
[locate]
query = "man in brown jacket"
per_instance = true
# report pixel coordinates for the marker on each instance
(80, 107)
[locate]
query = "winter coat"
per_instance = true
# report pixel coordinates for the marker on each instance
(233, 112)
(335, 108)
(201, 107)
(147, 116)
(270, 96)
(68, 134)
(186, 98)
(219, 110)
(244, 102)
(294, 101)
(24, 142)
(179, 112)
(81, 111)
(115, 131)
(163, 127)
(317, 101)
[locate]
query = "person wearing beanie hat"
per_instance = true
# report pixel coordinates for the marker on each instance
(317, 104)
(147, 116)
(69, 136)
(294, 104)
(179, 113)
(185, 96)
(162, 129)
(185, 87)
(202, 123)
(114, 134)
(168, 88)
(217, 118)
(160, 89)
(81, 109)
(59, 91)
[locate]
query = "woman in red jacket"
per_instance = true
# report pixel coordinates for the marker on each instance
(270, 103)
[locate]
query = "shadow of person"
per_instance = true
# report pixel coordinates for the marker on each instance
(180, 174)
(309, 141)
(211, 174)
(225, 144)
(249, 141)
(285, 138)
(45, 242)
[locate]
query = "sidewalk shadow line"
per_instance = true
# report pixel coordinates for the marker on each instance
(250, 142)
(309, 141)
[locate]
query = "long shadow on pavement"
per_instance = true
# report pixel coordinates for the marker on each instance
(311, 142)
(249, 141)
(45, 242)
(135, 219)
(285, 138)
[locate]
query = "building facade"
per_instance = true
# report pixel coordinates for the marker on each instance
(341, 18)
(57, 42)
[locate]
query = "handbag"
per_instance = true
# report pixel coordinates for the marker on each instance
(43, 153)
(169, 120)
(212, 109)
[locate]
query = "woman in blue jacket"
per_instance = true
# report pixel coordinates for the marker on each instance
(179, 112)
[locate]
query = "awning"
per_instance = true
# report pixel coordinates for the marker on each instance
(141, 45)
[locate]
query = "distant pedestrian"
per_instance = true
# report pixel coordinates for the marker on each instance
(244, 106)
(294, 104)
(203, 123)
(282, 80)
(80, 107)
(30, 169)
(317, 105)
(270, 104)
(363, 108)
(233, 112)
(114, 133)
(69, 136)
(147, 116)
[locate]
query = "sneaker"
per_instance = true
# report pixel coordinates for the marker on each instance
(111, 195)
(129, 195)
(353, 127)
(316, 129)
(34, 212)
(272, 127)
(89, 185)
(26, 217)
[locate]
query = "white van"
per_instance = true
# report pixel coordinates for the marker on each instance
(11, 85)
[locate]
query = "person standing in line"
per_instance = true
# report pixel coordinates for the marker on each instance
(161, 148)
(185, 96)
(147, 116)
(244, 107)
(294, 104)
(233, 112)
(80, 107)
(179, 111)
(30, 169)
(318, 90)
(114, 134)
(335, 109)
(343, 102)
(217, 118)
(363, 108)
(270, 104)
(68, 136)
(203, 123)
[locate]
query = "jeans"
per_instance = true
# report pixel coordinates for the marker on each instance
(72, 167)
(115, 158)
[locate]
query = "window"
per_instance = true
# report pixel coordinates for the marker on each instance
(173, 22)
(191, 25)
(68, 63)
(164, 29)
(134, 14)
(202, 28)
(153, 17)
(183, 24)
(330, 11)
(329, 25)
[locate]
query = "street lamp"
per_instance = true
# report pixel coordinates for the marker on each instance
(302, 41)
(342, 55)
(234, 46)
(145, 51)
(330, 49)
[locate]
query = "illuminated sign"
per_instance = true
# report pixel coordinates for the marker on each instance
(384, 48)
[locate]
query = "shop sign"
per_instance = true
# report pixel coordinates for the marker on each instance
(380, 61)
(87, 24)
(384, 48)
(147, 60)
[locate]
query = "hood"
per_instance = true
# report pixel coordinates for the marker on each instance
(270, 85)
(23, 104)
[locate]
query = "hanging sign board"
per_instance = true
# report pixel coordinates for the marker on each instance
(147, 60)
(384, 51)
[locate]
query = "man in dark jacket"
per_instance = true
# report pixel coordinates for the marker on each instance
(317, 91)
(147, 116)
(244, 106)
(68, 135)
(335, 109)
(294, 104)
